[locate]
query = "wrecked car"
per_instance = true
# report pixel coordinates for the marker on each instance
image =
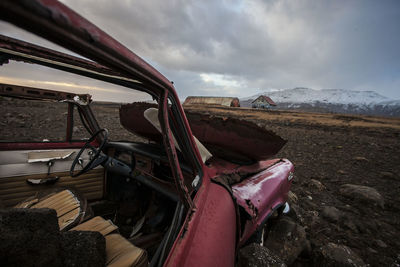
(200, 187)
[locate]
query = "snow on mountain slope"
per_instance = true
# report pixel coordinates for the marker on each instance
(331, 96)
(331, 100)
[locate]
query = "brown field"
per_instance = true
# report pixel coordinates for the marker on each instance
(323, 119)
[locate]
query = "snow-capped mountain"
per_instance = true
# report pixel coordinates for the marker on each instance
(331, 100)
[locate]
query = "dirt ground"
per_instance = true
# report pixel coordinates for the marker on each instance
(330, 148)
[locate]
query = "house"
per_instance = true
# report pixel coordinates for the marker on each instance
(210, 100)
(263, 102)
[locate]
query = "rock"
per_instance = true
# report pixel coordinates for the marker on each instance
(332, 214)
(348, 222)
(336, 255)
(381, 244)
(363, 194)
(316, 185)
(292, 197)
(313, 219)
(255, 255)
(287, 240)
(295, 213)
(361, 159)
(388, 175)
(83, 248)
(29, 237)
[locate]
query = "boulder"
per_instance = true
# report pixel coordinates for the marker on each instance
(255, 255)
(362, 193)
(287, 240)
(332, 214)
(332, 255)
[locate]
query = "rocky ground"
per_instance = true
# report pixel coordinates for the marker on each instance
(345, 196)
(345, 202)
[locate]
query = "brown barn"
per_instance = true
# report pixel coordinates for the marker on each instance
(210, 100)
(263, 102)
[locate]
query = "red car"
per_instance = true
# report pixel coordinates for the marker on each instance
(200, 189)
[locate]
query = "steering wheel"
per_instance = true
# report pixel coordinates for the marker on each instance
(97, 157)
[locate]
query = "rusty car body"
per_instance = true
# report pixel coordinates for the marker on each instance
(212, 205)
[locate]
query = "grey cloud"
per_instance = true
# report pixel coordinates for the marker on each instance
(262, 44)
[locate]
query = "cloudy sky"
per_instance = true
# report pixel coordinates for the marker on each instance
(241, 48)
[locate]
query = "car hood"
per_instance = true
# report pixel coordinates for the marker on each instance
(231, 139)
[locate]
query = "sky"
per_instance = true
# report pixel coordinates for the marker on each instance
(241, 48)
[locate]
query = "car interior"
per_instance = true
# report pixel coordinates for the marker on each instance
(123, 189)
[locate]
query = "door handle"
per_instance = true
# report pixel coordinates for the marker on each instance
(43, 181)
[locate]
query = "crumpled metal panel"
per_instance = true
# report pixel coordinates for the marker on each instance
(234, 139)
(260, 194)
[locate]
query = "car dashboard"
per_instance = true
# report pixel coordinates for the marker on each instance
(149, 164)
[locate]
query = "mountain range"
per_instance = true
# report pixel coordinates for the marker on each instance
(331, 100)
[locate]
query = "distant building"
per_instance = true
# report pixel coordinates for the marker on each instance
(210, 100)
(263, 102)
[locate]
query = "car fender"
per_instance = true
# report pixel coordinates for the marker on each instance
(261, 194)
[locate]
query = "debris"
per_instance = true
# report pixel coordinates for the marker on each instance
(137, 227)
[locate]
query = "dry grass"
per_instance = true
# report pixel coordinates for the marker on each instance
(305, 117)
